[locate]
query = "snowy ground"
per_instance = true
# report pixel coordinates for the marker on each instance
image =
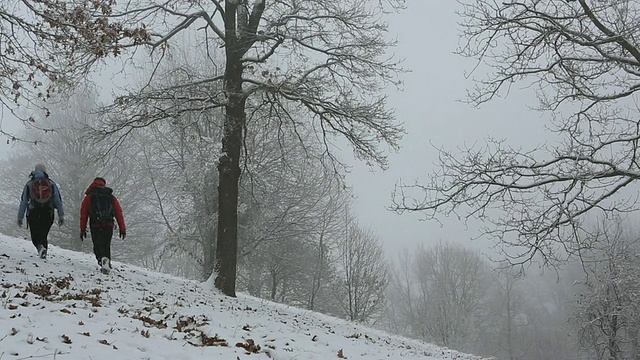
(64, 308)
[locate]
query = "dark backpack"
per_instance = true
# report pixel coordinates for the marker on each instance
(101, 210)
(41, 192)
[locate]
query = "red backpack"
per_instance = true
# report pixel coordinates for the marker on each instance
(41, 192)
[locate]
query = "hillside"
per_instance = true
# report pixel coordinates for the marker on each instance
(63, 308)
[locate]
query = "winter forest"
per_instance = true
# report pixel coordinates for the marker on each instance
(222, 126)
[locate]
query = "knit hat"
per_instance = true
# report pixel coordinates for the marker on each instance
(41, 167)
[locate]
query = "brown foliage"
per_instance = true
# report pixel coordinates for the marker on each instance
(249, 345)
(150, 322)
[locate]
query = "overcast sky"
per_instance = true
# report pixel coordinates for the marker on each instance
(430, 109)
(429, 106)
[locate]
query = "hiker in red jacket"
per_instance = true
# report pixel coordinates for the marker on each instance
(100, 206)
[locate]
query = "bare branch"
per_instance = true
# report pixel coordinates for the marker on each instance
(582, 59)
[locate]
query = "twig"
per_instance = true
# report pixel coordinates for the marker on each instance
(38, 356)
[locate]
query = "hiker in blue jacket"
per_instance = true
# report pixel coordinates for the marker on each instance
(39, 197)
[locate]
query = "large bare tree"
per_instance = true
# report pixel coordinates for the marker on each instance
(321, 62)
(583, 58)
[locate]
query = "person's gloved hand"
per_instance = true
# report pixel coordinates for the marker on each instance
(60, 221)
(123, 234)
(20, 222)
(83, 235)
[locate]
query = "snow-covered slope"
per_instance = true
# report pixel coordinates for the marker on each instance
(64, 308)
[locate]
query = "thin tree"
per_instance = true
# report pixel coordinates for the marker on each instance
(606, 311)
(401, 307)
(454, 283)
(366, 273)
(506, 305)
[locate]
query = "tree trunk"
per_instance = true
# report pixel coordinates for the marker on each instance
(229, 163)
(509, 321)
(207, 227)
(229, 172)
(635, 348)
(317, 276)
(614, 351)
(274, 285)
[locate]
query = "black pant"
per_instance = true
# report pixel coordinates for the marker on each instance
(101, 237)
(40, 221)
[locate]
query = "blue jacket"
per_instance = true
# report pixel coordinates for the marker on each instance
(25, 199)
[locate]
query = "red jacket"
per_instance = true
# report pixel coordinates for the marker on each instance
(86, 205)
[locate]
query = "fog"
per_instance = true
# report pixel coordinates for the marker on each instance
(306, 242)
